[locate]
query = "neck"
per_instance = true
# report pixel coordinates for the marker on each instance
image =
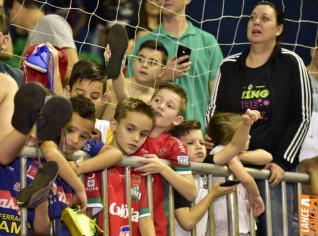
(34, 16)
(313, 69)
(153, 22)
(157, 131)
(141, 88)
(259, 55)
(175, 25)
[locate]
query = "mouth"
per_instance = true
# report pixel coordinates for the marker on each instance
(132, 146)
(200, 154)
(143, 73)
(256, 31)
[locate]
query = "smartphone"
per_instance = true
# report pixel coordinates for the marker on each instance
(229, 183)
(182, 51)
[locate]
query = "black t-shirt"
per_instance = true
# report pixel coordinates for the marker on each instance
(256, 95)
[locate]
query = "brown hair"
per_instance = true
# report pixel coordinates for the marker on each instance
(133, 105)
(222, 127)
(184, 128)
(177, 90)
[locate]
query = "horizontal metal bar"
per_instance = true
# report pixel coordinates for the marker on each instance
(199, 168)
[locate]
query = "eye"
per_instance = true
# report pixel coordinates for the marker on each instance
(81, 93)
(190, 142)
(265, 18)
(144, 134)
(95, 97)
(252, 18)
(129, 128)
(70, 130)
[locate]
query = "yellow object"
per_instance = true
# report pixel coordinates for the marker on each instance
(78, 223)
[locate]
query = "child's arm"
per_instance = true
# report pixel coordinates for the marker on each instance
(51, 153)
(256, 157)
(188, 217)
(107, 157)
(249, 183)
(146, 226)
(41, 221)
(184, 184)
(239, 139)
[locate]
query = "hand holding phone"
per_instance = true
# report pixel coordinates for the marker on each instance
(182, 51)
(230, 183)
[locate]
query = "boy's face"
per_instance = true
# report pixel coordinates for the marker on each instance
(195, 145)
(148, 67)
(93, 90)
(76, 133)
(131, 132)
(166, 106)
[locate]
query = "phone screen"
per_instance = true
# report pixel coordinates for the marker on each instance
(229, 183)
(182, 51)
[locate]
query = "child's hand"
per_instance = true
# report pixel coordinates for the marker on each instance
(220, 191)
(151, 165)
(107, 54)
(96, 135)
(257, 205)
(80, 198)
(208, 142)
(251, 116)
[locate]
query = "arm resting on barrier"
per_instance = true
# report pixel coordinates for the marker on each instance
(256, 157)
(107, 157)
(51, 153)
(184, 184)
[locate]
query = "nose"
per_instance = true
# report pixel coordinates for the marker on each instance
(198, 145)
(75, 138)
(135, 137)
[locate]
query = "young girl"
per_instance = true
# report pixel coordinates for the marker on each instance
(221, 129)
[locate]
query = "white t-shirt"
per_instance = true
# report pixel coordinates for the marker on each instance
(220, 209)
(201, 227)
(53, 29)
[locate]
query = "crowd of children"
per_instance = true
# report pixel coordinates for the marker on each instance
(145, 121)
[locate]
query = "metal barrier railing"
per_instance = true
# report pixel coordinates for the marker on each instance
(197, 168)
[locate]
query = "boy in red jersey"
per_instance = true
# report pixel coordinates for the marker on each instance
(132, 123)
(168, 103)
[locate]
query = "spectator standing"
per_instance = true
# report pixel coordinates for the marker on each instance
(274, 81)
(196, 76)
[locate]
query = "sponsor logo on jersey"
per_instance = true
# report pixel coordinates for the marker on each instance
(122, 211)
(135, 193)
(31, 172)
(7, 201)
(162, 151)
(17, 186)
(183, 160)
(124, 230)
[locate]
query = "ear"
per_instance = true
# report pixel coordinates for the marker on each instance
(280, 30)
(4, 42)
(113, 125)
(162, 72)
(105, 98)
(178, 120)
(67, 91)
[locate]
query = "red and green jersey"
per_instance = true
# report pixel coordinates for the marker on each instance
(117, 204)
(172, 149)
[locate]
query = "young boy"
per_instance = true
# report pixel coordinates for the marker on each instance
(168, 103)
(226, 129)
(89, 80)
(148, 69)
(132, 123)
(189, 132)
(49, 117)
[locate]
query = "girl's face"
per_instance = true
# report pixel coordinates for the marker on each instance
(262, 26)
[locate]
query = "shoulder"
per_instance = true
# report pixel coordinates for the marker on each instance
(290, 56)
